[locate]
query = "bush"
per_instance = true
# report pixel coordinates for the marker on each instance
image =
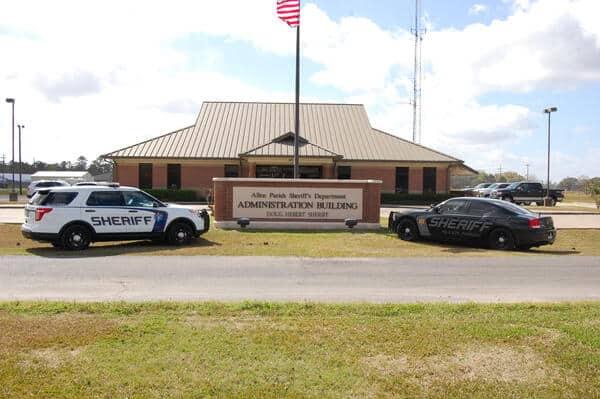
(414, 199)
(164, 194)
(593, 188)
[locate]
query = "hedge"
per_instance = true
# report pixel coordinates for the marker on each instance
(164, 194)
(414, 199)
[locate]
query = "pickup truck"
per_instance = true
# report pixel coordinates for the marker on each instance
(526, 193)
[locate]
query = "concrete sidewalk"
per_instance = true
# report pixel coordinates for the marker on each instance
(142, 278)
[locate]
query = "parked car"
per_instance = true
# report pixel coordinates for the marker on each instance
(498, 224)
(527, 193)
(485, 193)
(34, 186)
(479, 187)
(73, 217)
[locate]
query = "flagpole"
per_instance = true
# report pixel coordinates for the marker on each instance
(297, 112)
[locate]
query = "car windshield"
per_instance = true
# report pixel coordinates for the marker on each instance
(513, 185)
(493, 185)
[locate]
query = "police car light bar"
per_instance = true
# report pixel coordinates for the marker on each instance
(113, 185)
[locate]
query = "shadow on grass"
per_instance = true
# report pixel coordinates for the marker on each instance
(474, 247)
(118, 248)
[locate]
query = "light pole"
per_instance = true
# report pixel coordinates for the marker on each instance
(21, 127)
(548, 111)
(12, 167)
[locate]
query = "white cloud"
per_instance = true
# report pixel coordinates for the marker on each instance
(477, 9)
(93, 78)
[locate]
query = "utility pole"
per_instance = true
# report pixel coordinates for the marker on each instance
(527, 172)
(12, 166)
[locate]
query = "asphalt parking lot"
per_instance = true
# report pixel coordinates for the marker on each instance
(14, 214)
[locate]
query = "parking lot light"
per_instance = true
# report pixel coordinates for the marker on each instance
(12, 167)
(548, 111)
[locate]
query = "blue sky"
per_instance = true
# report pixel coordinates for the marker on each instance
(490, 67)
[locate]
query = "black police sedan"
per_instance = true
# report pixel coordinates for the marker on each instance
(498, 224)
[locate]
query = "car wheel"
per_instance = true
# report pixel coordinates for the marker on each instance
(506, 199)
(56, 244)
(407, 230)
(501, 239)
(538, 203)
(76, 238)
(527, 203)
(552, 202)
(180, 234)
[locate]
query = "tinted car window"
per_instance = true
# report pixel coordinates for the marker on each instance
(515, 209)
(137, 198)
(58, 198)
(485, 209)
(453, 207)
(105, 198)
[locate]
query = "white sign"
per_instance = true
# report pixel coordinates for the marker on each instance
(297, 203)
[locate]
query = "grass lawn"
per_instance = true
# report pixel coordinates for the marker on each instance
(299, 350)
(577, 196)
(312, 244)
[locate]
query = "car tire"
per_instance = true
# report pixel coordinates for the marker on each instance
(501, 239)
(526, 203)
(56, 244)
(539, 203)
(507, 199)
(552, 202)
(180, 233)
(407, 230)
(76, 237)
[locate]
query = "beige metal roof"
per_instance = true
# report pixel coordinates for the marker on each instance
(224, 130)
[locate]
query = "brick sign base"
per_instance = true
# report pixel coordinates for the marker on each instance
(302, 204)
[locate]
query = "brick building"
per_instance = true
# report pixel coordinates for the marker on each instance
(231, 139)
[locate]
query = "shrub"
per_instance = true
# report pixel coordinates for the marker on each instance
(414, 199)
(164, 194)
(593, 188)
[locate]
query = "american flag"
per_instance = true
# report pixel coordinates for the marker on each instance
(289, 12)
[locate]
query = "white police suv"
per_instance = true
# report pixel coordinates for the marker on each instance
(73, 217)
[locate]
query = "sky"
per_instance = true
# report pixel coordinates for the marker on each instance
(92, 77)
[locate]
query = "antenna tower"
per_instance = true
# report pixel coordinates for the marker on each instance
(417, 75)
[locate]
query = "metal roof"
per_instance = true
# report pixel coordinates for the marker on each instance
(224, 130)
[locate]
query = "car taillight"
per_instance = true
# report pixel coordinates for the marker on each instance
(535, 223)
(40, 212)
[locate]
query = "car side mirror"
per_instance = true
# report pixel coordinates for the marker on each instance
(436, 209)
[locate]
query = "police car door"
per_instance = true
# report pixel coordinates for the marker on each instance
(105, 211)
(147, 218)
(445, 223)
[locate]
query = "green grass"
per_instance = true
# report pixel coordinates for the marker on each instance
(578, 196)
(299, 350)
(293, 243)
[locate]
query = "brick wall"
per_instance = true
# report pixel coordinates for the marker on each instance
(159, 176)
(199, 177)
(386, 174)
(415, 180)
(127, 175)
(441, 180)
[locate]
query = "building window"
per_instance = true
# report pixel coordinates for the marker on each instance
(344, 172)
(145, 178)
(429, 180)
(402, 180)
(174, 176)
(232, 171)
